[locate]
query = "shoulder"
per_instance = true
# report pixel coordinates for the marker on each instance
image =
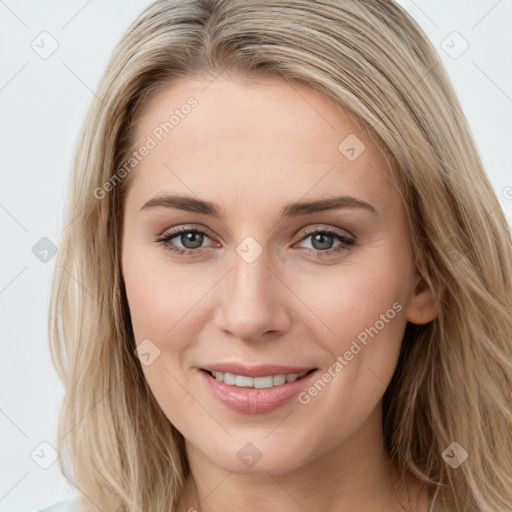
(67, 505)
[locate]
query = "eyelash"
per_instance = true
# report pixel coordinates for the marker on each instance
(346, 242)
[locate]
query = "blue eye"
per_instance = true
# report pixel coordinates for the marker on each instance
(192, 240)
(325, 237)
(193, 237)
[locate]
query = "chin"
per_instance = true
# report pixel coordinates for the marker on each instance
(258, 458)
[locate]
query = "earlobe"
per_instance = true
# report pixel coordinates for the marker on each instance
(421, 308)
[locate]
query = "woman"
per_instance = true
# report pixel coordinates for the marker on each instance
(216, 354)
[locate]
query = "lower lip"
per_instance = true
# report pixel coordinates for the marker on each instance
(252, 400)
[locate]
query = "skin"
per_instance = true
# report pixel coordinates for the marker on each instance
(252, 147)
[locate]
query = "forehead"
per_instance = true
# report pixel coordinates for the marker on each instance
(253, 137)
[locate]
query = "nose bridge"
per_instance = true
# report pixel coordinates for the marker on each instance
(251, 278)
(250, 306)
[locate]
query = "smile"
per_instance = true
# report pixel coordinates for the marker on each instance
(243, 381)
(255, 395)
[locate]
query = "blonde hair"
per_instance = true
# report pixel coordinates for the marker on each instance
(453, 380)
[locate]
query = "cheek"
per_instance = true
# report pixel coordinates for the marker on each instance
(351, 298)
(160, 296)
(359, 320)
(165, 303)
(160, 303)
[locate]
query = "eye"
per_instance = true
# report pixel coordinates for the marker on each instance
(322, 239)
(191, 241)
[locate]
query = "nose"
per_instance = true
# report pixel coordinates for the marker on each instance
(251, 305)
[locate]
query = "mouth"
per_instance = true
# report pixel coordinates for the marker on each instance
(263, 393)
(244, 381)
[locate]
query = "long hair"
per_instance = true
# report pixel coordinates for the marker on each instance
(453, 381)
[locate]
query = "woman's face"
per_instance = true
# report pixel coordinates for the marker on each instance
(263, 279)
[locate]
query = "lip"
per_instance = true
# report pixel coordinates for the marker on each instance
(263, 370)
(252, 400)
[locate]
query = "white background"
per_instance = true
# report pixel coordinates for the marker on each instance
(42, 105)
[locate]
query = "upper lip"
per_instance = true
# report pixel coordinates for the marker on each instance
(256, 371)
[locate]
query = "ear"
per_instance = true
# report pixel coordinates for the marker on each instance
(421, 308)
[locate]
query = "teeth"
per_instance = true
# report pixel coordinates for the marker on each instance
(257, 382)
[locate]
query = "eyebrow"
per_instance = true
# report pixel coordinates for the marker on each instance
(191, 204)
